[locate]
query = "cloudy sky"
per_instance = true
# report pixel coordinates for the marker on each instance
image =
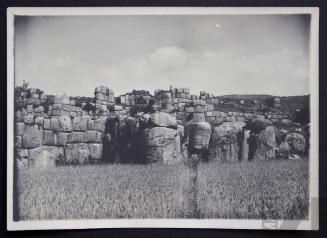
(220, 54)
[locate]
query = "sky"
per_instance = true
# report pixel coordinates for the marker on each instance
(221, 54)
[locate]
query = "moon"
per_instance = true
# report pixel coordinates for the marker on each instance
(218, 26)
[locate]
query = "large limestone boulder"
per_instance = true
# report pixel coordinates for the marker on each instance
(62, 138)
(162, 119)
(77, 153)
(100, 124)
(199, 136)
(95, 151)
(226, 142)
(20, 128)
(159, 136)
(162, 144)
(265, 144)
(65, 124)
(33, 136)
(48, 137)
(93, 137)
(77, 137)
(80, 123)
(45, 156)
(296, 142)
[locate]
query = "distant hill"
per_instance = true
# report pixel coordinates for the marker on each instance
(258, 97)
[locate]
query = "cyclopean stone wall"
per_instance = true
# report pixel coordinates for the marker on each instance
(138, 128)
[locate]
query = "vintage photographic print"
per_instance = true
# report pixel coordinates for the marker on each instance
(162, 117)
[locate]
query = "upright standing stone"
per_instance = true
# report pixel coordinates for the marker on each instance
(226, 142)
(162, 144)
(199, 136)
(265, 144)
(245, 146)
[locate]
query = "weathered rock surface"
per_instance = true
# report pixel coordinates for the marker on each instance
(54, 124)
(48, 137)
(29, 119)
(62, 138)
(93, 137)
(39, 121)
(80, 123)
(137, 123)
(20, 128)
(265, 144)
(45, 156)
(33, 136)
(95, 151)
(199, 136)
(77, 153)
(77, 137)
(226, 142)
(296, 142)
(65, 124)
(245, 146)
(18, 141)
(162, 119)
(161, 144)
(100, 124)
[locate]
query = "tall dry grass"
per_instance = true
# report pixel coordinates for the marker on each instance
(273, 189)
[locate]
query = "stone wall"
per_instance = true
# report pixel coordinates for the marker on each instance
(57, 128)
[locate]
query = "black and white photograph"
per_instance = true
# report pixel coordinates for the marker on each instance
(162, 117)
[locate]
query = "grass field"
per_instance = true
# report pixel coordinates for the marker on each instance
(272, 189)
(240, 190)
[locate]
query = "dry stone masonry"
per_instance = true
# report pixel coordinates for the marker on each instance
(138, 127)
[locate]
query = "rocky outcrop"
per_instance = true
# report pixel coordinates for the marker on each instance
(162, 145)
(265, 144)
(226, 142)
(296, 142)
(171, 124)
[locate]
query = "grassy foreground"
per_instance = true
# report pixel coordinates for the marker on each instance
(257, 190)
(273, 189)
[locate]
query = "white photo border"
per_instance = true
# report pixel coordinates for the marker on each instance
(311, 224)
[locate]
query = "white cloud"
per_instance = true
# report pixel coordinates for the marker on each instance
(216, 71)
(219, 72)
